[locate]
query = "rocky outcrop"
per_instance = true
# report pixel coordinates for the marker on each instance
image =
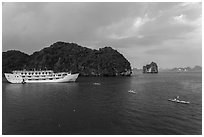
(62, 56)
(150, 68)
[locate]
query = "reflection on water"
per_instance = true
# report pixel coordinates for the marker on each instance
(106, 108)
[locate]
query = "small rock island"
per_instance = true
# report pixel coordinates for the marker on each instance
(69, 57)
(150, 68)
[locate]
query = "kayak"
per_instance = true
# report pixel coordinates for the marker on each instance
(179, 101)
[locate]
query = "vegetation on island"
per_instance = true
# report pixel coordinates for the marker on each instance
(62, 56)
(14, 60)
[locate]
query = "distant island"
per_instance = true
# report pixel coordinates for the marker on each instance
(62, 56)
(175, 69)
(150, 68)
(187, 69)
(182, 69)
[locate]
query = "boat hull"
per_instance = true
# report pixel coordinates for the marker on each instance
(14, 78)
(178, 101)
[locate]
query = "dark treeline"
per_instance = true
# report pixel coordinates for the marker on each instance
(71, 57)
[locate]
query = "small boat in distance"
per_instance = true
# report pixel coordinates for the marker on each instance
(179, 101)
(96, 83)
(131, 91)
(40, 76)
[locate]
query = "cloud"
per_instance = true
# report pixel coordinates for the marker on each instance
(126, 28)
(138, 30)
(180, 19)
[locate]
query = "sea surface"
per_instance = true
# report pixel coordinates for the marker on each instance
(103, 106)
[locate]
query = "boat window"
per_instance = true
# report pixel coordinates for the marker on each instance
(29, 73)
(21, 73)
(59, 75)
(23, 76)
(50, 78)
(42, 72)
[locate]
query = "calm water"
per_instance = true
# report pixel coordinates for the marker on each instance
(87, 108)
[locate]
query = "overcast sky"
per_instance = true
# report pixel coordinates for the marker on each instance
(169, 34)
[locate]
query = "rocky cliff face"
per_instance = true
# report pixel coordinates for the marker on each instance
(63, 56)
(150, 68)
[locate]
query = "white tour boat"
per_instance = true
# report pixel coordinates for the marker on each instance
(39, 76)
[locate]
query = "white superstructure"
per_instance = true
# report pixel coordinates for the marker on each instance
(39, 76)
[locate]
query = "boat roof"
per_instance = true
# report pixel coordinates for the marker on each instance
(30, 71)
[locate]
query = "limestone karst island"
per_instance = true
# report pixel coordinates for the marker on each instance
(62, 56)
(150, 68)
